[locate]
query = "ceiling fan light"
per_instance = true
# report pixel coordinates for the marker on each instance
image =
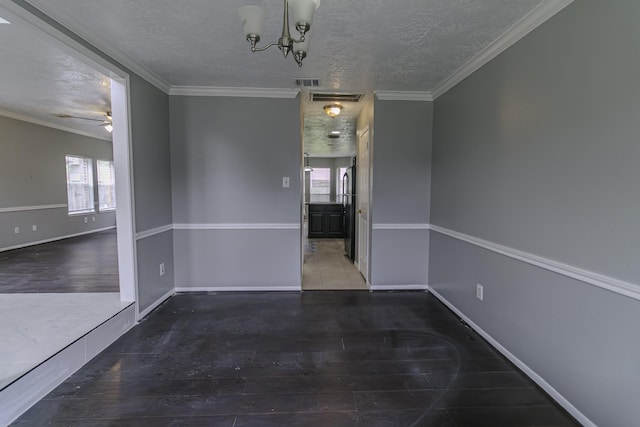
(332, 110)
(252, 21)
(108, 127)
(302, 13)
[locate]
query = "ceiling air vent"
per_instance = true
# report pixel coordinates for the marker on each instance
(336, 97)
(307, 82)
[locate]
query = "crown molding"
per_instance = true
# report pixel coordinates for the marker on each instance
(28, 119)
(107, 48)
(244, 92)
(517, 31)
(394, 95)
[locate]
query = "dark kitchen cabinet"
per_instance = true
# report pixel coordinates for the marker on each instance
(326, 220)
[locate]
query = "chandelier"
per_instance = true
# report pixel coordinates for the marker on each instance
(302, 15)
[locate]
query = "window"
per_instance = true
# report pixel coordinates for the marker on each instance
(79, 185)
(106, 186)
(320, 185)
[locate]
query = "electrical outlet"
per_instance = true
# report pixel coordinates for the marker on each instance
(93, 219)
(34, 227)
(285, 182)
(16, 230)
(86, 220)
(162, 269)
(479, 291)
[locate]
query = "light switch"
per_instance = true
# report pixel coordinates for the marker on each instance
(285, 182)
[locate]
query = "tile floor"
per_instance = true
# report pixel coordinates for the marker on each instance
(347, 358)
(34, 327)
(327, 268)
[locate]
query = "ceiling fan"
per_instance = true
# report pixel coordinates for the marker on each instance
(107, 122)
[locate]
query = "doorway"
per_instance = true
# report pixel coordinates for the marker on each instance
(37, 322)
(329, 222)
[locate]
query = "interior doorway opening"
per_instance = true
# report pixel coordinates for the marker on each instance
(41, 320)
(329, 199)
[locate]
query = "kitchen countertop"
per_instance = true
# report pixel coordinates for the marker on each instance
(323, 203)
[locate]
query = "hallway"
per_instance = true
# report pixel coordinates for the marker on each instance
(327, 268)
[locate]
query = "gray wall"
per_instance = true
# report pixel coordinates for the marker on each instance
(229, 156)
(538, 151)
(400, 192)
(152, 188)
(33, 173)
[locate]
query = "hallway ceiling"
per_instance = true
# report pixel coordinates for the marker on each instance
(356, 46)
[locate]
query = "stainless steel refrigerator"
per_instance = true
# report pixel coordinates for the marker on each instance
(349, 204)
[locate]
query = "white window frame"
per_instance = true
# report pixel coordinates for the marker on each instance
(89, 175)
(102, 207)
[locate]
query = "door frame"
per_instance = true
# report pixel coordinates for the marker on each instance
(360, 132)
(121, 142)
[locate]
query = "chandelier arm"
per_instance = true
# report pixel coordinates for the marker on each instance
(260, 49)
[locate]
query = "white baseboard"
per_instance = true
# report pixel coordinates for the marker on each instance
(54, 239)
(399, 287)
(22, 394)
(238, 289)
(560, 399)
(144, 313)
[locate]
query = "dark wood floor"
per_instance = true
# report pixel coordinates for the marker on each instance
(342, 358)
(80, 264)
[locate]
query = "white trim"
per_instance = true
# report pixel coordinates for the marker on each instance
(559, 398)
(399, 288)
(96, 40)
(54, 239)
(125, 213)
(33, 208)
(221, 226)
(380, 226)
(517, 31)
(244, 92)
(184, 289)
(155, 304)
(621, 287)
(153, 231)
(45, 123)
(362, 131)
(394, 95)
(26, 391)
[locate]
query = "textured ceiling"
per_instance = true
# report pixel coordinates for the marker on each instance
(38, 80)
(317, 127)
(356, 45)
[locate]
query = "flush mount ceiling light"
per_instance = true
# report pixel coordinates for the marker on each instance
(302, 14)
(332, 110)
